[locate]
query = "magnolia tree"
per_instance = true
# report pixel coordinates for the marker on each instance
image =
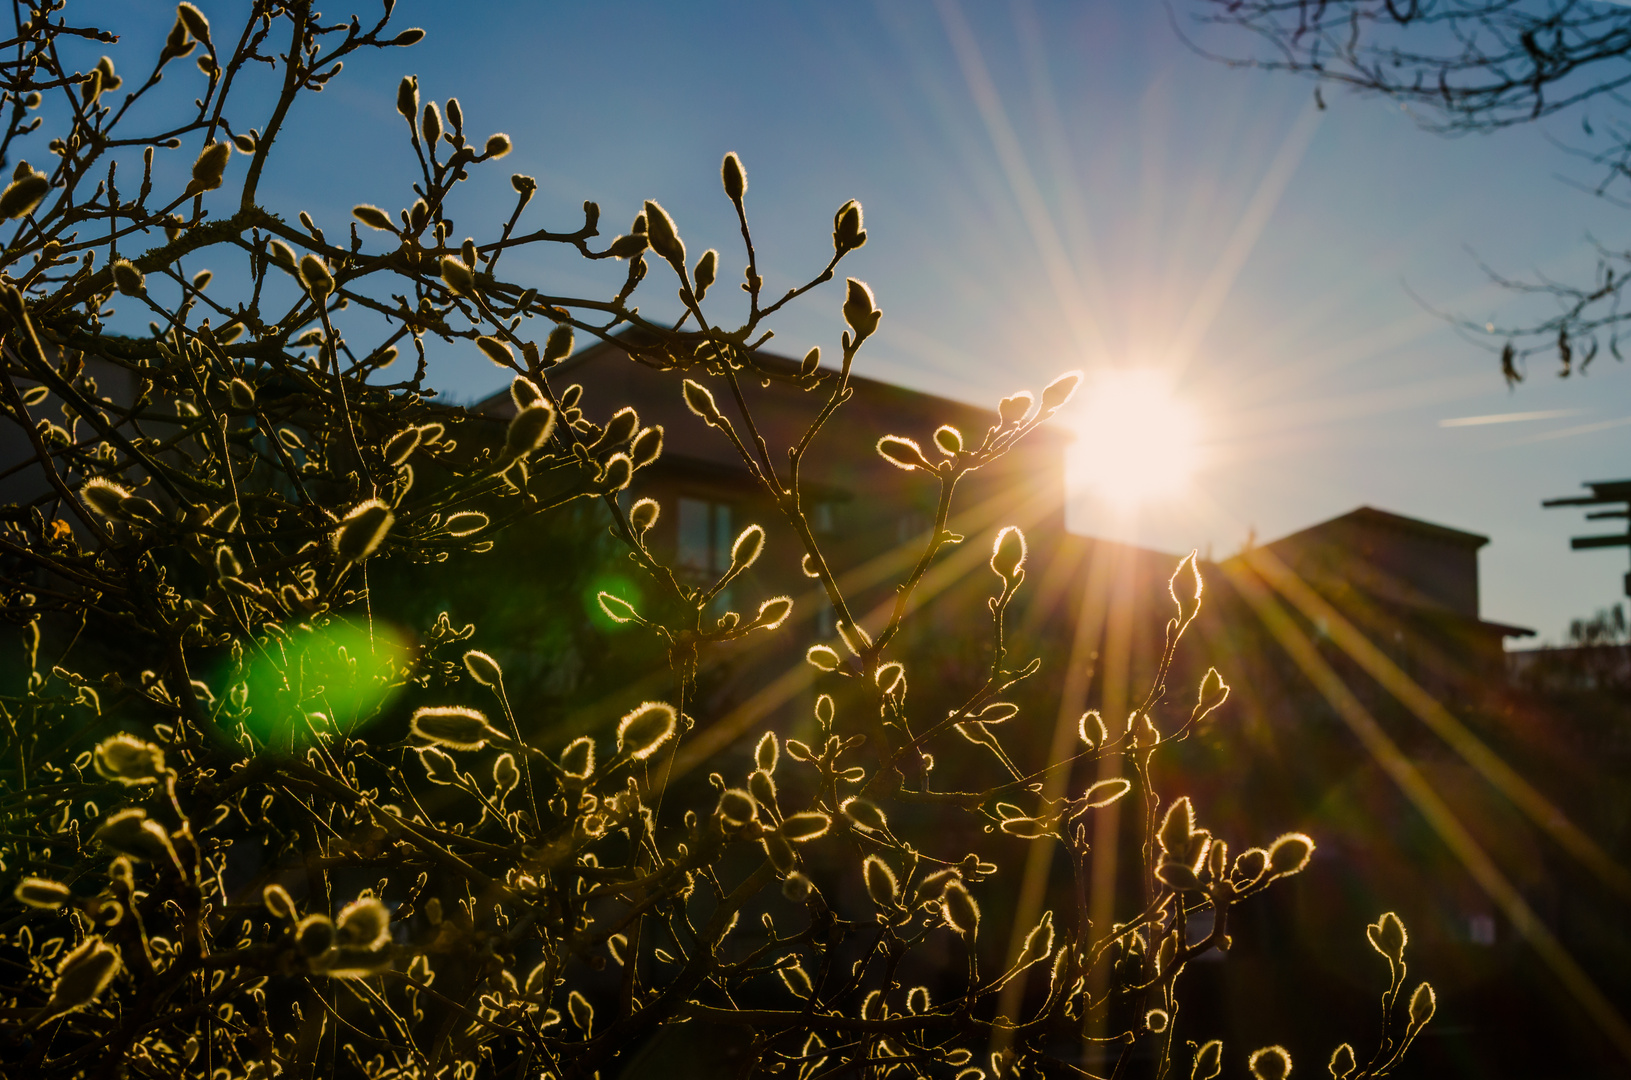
(231, 848)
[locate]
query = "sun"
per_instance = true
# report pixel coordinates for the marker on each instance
(1137, 442)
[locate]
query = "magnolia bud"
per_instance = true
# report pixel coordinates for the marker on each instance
(749, 545)
(496, 351)
(1091, 728)
(880, 881)
(1008, 553)
(430, 125)
(1342, 1062)
(903, 453)
(558, 346)
(1270, 1063)
(315, 276)
(128, 760)
(1060, 390)
(458, 276)
(735, 178)
(82, 976)
(860, 309)
(127, 279)
(864, 814)
(773, 612)
(647, 727)
(737, 807)
(402, 445)
(1388, 937)
(529, 428)
(363, 530)
(578, 759)
(364, 924)
(453, 726)
(483, 668)
(822, 657)
(665, 239)
(498, 145)
(208, 170)
(961, 912)
(241, 394)
(805, 826)
(38, 892)
(22, 195)
(407, 97)
(103, 496)
(643, 514)
(1423, 1003)
(847, 233)
(812, 361)
(647, 448)
(700, 401)
(703, 275)
(1289, 854)
(373, 217)
(1014, 408)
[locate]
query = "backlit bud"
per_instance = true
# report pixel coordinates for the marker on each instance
(812, 361)
(430, 125)
(529, 429)
(1008, 553)
(822, 657)
(961, 912)
(860, 309)
(645, 729)
(847, 231)
(1270, 1063)
(43, 893)
(315, 277)
(558, 346)
(458, 276)
(805, 826)
(363, 530)
(373, 217)
(364, 924)
(1423, 1003)
(1388, 936)
(707, 268)
(949, 439)
(103, 496)
(1342, 1062)
(903, 453)
(496, 351)
(127, 279)
(643, 514)
(647, 448)
(737, 807)
(82, 976)
(880, 881)
(578, 759)
(663, 236)
(128, 760)
(1208, 1061)
(773, 612)
(209, 169)
(1059, 391)
(241, 394)
(749, 545)
(407, 97)
(483, 668)
(402, 445)
(1091, 728)
(734, 177)
(1289, 854)
(22, 195)
(1014, 408)
(864, 814)
(453, 726)
(498, 145)
(700, 401)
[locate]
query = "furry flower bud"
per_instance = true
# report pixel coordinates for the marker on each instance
(128, 760)
(363, 530)
(453, 726)
(645, 729)
(529, 429)
(734, 177)
(127, 279)
(860, 309)
(1008, 553)
(663, 236)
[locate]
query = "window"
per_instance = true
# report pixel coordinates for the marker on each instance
(704, 540)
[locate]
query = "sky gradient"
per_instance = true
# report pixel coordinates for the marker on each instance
(1054, 185)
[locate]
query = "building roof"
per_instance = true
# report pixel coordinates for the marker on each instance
(1369, 515)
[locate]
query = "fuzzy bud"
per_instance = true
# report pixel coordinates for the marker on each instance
(1289, 854)
(127, 279)
(458, 276)
(707, 268)
(483, 668)
(643, 514)
(648, 447)
(558, 346)
(315, 277)
(364, 924)
(860, 309)
(864, 814)
(82, 976)
(578, 759)
(663, 236)
(529, 428)
(373, 217)
(496, 351)
(23, 194)
(734, 177)
(1015, 408)
(363, 530)
(645, 729)
(453, 726)
(497, 145)
(961, 912)
(1270, 1063)
(43, 893)
(903, 453)
(881, 884)
(208, 170)
(128, 760)
(737, 808)
(700, 400)
(1008, 553)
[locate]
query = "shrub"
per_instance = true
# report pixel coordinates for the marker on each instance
(250, 831)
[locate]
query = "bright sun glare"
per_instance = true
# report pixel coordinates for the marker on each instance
(1136, 442)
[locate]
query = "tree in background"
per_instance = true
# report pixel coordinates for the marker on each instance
(254, 828)
(1477, 66)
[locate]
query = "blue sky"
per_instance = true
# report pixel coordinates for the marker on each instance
(1054, 185)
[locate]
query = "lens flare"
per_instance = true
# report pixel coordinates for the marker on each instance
(1137, 442)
